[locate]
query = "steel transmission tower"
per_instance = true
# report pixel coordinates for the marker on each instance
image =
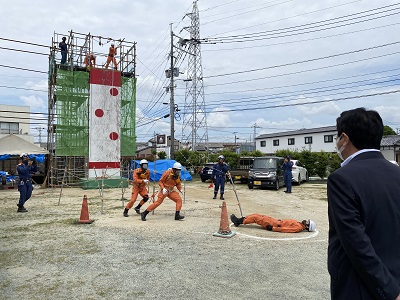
(194, 129)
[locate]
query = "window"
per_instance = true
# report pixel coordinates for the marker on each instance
(275, 142)
(8, 128)
(328, 138)
(290, 141)
(308, 140)
(263, 143)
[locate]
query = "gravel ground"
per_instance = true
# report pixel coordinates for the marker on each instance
(46, 255)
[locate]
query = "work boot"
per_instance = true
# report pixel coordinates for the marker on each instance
(126, 212)
(236, 221)
(22, 209)
(178, 217)
(222, 197)
(215, 196)
(143, 215)
(137, 209)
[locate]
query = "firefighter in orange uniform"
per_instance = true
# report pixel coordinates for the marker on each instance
(271, 224)
(111, 56)
(90, 61)
(168, 181)
(141, 177)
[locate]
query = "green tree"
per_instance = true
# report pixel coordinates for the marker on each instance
(162, 155)
(387, 130)
(321, 164)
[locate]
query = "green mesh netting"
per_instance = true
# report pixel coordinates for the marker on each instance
(72, 108)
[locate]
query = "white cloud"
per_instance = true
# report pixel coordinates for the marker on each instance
(220, 118)
(330, 108)
(33, 101)
(41, 85)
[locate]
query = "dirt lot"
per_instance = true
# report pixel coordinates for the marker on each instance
(46, 255)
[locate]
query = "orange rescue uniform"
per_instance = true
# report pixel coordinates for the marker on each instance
(168, 182)
(111, 57)
(139, 187)
(287, 225)
(90, 60)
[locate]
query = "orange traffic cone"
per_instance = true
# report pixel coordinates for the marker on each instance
(224, 229)
(84, 219)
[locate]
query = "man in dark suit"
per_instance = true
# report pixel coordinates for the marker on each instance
(364, 213)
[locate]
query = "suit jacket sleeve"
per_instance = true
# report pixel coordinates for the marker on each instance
(345, 214)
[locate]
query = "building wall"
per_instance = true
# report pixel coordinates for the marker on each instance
(17, 114)
(318, 143)
(390, 153)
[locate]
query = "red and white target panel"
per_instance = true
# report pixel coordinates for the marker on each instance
(104, 123)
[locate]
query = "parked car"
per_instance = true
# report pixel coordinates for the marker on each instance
(266, 172)
(206, 172)
(299, 172)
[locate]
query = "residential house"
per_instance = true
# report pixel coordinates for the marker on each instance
(316, 140)
(390, 147)
(313, 139)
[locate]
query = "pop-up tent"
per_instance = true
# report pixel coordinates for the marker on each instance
(14, 145)
(161, 165)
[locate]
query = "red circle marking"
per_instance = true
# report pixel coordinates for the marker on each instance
(114, 92)
(113, 136)
(99, 113)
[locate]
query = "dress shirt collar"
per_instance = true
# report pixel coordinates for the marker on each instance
(347, 160)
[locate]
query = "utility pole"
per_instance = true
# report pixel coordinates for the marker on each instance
(172, 103)
(254, 136)
(235, 141)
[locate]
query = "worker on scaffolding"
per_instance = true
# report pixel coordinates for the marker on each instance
(90, 61)
(111, 56)
(64, 50)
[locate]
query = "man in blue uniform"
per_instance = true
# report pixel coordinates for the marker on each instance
(64, 50)
(287, 173)
(25, 188)
(218, 176)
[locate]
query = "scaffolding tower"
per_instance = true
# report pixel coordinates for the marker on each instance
(194, 129)
(68, 104)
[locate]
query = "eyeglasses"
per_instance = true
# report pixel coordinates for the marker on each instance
(337, 138)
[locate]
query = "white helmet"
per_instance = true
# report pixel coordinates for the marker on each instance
(312, 226)
(221, 157)
(144, 164)
(177, 166)
(24, 154)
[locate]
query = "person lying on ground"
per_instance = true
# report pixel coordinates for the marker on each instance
(271, 224)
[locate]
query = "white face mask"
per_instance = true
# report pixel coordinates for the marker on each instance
(339, 151)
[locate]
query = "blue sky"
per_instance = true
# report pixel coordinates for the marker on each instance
(274, 65)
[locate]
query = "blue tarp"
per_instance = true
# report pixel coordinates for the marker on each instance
(39, 157)
(9, 178)
(161, 166)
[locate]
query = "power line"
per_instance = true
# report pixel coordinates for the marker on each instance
(23, 51)
(304, 61)
(303, 40)
(312, 69)
(293, 29)
(311, 102)
(23, 69)
(26, 43)
(308, 83)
